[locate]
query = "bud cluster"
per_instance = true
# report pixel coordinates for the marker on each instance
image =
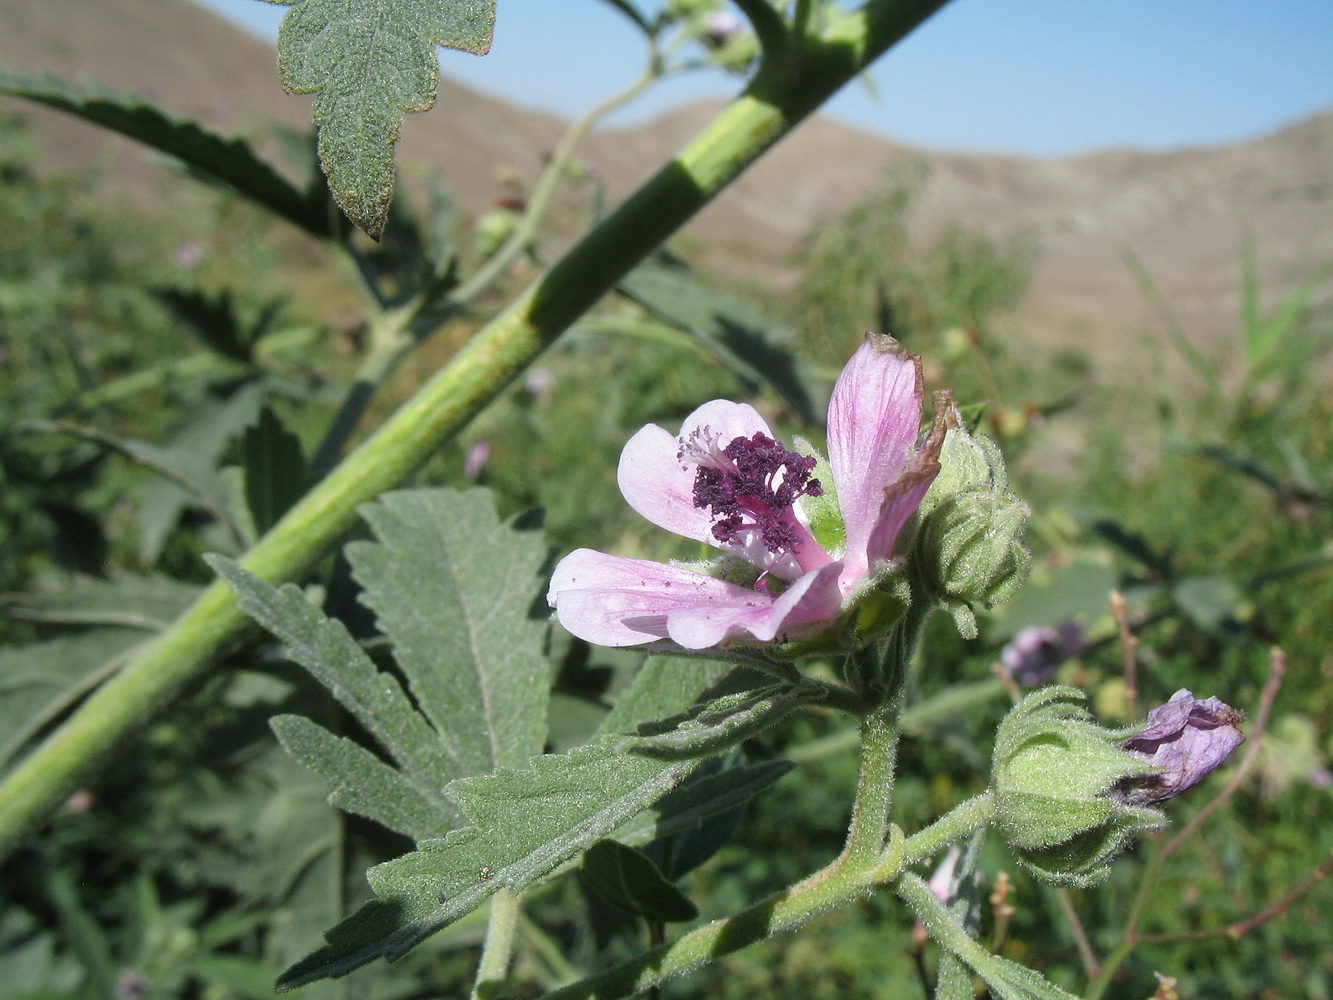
(969, 544)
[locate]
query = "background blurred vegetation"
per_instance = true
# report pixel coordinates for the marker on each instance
(147, 364)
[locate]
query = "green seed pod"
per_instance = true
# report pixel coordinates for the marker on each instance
(1054, 778)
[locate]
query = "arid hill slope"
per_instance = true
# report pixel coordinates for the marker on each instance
(1183, 213)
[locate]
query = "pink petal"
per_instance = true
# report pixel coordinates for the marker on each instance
(813, 599)
(903, 497)
(614, 601)
(873, 420)
(661, 489)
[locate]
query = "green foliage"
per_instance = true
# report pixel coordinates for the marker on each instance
(369, 62)
(227, 161)
(451, 587)
(629, 879)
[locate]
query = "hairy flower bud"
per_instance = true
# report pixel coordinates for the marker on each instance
(1187, 738)
(1055, 778)
(969, 545)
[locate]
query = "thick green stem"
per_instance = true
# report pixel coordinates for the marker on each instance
(769, 108)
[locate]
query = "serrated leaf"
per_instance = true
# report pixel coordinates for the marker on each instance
(274, 469)
(452, 586)
(628, 879)
(142, 602)
(370, 62)
(364, 784)
(719, 725)
(326, 649)
(228, 161)
(529, 822)
(663, 687)
(699, 798)
(40, 681)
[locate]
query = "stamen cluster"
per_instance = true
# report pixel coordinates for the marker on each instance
(750, 486)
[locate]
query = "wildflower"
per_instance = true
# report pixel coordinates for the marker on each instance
(1033, 655)
(1187, 738)
(804, 540)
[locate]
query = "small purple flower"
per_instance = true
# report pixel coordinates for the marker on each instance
(1033, 655)
(726, 481)
(1188, 738)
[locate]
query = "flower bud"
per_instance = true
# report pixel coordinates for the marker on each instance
(969, 546)
(1187, 738)
(970, 552)
(1055, 778)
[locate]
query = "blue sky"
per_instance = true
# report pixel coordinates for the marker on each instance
(1043, 77)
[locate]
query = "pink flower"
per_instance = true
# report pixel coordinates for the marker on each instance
(724, 480)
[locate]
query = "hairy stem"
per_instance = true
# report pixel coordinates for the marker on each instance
(850, 877)
(499, 946)
(769, 108)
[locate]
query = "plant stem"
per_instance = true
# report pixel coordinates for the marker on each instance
(874, 785)
(506, 908)
(768, 109)
(852, 876)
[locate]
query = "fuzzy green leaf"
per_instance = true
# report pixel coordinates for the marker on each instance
(701, 798)
(364, 784)
(663, 687)
(370, 62)
(628, 878)
(528, 823)
(228, 161)
(720, 724)
(325, 648)
(274, 470)
(452, 586)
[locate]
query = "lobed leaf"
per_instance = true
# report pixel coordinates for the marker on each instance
(364, 784)
(529, 823)
(452, 586)
(228, 161)
(370, 62)
(721, 724)
(326, 649)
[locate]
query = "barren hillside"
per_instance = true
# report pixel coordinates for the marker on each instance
(1183, 213)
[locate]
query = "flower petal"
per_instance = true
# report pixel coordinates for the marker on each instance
(615, 601)
(655, 482)
(814, 598)
(873, 420)
(902, 498)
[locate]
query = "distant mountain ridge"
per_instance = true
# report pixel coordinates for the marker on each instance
(1183, 213)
